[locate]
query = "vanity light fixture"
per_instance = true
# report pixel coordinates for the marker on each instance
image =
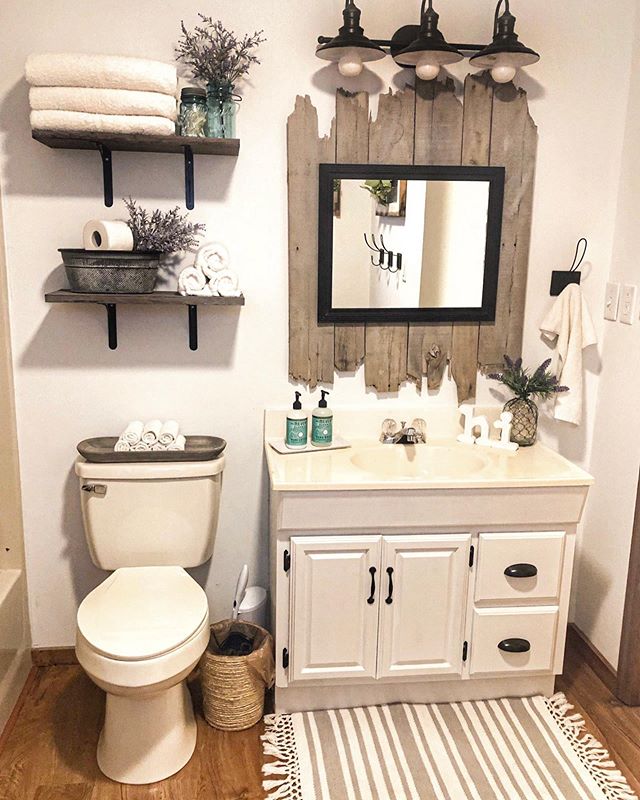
(424, 47)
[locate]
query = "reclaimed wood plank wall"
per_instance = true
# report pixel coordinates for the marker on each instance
(428, 125)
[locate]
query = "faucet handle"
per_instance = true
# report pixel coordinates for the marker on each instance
(389, 429)
(420, 426)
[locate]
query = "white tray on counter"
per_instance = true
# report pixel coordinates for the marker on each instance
(280, 447)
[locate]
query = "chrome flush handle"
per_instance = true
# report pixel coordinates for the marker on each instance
(98, 489)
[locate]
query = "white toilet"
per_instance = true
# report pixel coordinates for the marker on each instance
(142, 631)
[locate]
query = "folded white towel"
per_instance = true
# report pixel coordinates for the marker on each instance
(212, 258)
(101, 72)
(122, 446)
(82, 122)
(192, 281)
(132, 434)
(179, 444)
(141, 446)
(169, 432)
(102, 101)
(570, 327)
(151, 431)
(226, 284)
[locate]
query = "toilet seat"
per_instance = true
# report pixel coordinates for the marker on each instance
(141, 613)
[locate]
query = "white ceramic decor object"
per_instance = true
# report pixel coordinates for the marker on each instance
(504, 425)
(467, 437)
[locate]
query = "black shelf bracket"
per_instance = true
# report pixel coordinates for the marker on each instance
(193, 327)
(189, 181)
(107, 174)
(112, 325)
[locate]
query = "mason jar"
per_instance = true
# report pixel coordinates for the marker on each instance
(193, 111)
(221, 111)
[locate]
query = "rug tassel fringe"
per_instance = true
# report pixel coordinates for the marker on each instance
(282, 775)
(589, 750)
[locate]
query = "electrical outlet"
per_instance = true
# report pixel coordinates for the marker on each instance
(611, 301)
(628, 306)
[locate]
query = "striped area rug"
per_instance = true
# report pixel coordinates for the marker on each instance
(522, 749)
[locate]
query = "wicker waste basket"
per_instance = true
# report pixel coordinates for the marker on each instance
(233, 687)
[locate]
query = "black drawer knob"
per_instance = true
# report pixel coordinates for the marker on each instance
(514, 646)
(521, 571)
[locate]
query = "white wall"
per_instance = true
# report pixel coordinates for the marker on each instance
(70, 386)
(615, 459)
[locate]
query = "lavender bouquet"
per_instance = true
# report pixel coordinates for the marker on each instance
(161, 231)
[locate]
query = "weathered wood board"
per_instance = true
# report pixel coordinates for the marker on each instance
(427, 126)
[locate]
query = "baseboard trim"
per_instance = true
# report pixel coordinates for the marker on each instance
(53, 656)
(592, 656)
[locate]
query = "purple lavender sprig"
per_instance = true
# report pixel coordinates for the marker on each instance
(541, 383)
(161, 232)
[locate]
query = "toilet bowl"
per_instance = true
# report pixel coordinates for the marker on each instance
(139, 635)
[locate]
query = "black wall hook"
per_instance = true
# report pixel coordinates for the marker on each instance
(394, 260)
(560, 279)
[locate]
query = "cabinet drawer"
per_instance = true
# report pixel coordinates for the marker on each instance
(516, 568)
(510, 640)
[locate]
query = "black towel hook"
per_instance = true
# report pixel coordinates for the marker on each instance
(576, 263)
(560, 279)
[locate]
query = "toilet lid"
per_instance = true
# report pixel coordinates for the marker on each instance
(142, 612)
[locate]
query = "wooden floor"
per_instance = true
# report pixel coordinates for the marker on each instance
(49, 751)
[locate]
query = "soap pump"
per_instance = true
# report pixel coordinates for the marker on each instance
(297, 426)
(322, 423)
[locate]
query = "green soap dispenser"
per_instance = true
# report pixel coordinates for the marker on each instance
(297, 432)
(322, 424)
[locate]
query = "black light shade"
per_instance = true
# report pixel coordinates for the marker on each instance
(430, 43)
(350, 39)
(505, 50)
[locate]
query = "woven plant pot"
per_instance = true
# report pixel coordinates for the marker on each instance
(111, 271)
(524, 428)
(233, 687)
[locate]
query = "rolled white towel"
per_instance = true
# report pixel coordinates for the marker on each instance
(179, 444)
(192, 281)
(102, 101)
(81, 122)
(212, 258)
(122, 446)
(151, 432)
(141, 446)
(132, 434)
(169, 433)
(226, 284)
(100, 71)
(157, 447)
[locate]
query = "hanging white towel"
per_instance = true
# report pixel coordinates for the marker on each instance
(102, 101)
(569, 327)
(81, 122)
(133, 432)
(152, 432)
(212, 258)
(169, 433)
(101, 72)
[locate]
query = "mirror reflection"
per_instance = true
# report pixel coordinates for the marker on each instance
(417, 244)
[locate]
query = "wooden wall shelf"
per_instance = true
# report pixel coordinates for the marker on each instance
(106, 143)
(110, 301)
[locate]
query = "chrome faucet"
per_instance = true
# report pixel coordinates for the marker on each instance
(416, 433)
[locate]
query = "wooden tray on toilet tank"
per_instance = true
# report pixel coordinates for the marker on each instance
(198, 448)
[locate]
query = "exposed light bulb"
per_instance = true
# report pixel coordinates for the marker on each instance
(350, 65)
(503, 74)
(426, 69)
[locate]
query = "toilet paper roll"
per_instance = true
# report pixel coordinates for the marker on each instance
(107, 234)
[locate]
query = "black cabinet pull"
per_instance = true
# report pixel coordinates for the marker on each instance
(372, 599)
(521, 571)
(515, 646)
(389, 599)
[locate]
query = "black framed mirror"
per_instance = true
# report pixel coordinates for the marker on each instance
(409, 243)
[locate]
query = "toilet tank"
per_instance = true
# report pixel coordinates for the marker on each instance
(152, 514)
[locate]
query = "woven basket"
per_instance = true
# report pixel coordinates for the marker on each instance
(233, 687)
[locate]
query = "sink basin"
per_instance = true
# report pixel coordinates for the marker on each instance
(418, 461)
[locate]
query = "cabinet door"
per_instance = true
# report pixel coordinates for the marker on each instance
(334, 607)
(422, 617)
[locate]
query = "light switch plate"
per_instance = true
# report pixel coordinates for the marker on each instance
(611, 301)
(628, 304)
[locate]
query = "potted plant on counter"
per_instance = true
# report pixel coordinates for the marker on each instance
(154, 234)
(526, 386)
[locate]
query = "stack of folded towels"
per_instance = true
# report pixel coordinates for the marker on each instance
(211, 275)
(155, 435)
(84, 93)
